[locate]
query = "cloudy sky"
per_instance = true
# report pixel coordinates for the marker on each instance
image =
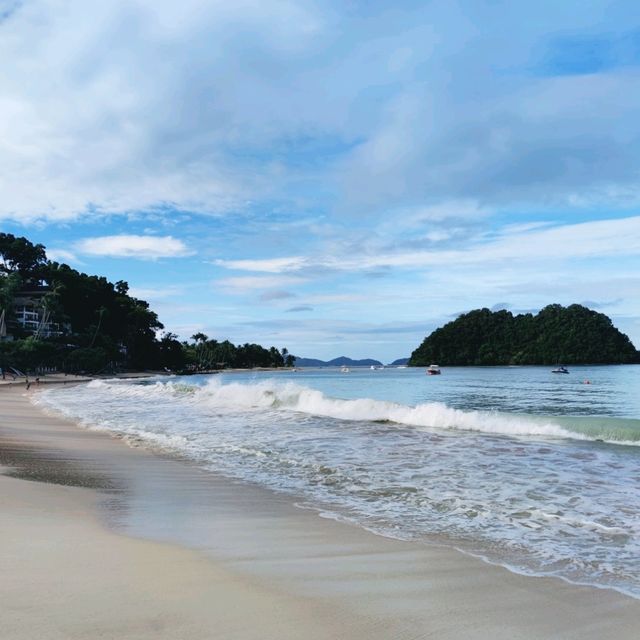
(339, 178)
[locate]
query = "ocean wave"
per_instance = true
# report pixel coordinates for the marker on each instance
(288, 396)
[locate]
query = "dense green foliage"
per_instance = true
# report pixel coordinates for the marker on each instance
(101, 325)
(557, 334)
(99, 319)
(211, 354)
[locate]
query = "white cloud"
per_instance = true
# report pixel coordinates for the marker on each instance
(132, 246)
(137, 104)
(271, 265)
(154, 293)
(598, 239)
(217, 106)
(242, 284)
(603, 238)
(62, 255)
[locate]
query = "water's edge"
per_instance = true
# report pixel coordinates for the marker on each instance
(400, 499)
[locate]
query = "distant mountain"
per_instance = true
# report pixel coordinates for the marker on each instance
(342, 361)
(399, 361)
(309, 362)
(557, 334)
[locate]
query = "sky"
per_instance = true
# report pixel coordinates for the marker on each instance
(334, 177)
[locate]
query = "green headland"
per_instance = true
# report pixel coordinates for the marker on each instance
(556, 334)
(55, 317)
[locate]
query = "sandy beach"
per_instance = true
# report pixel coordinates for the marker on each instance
(104, 539)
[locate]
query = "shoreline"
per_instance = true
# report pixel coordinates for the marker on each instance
(330, 578)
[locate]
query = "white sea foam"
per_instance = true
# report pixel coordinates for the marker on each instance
(274, 395)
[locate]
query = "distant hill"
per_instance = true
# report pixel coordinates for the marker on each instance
(556, 334)
(309, 362)
(342, 361)
(399, 362)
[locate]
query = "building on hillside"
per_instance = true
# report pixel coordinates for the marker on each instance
(30, 316)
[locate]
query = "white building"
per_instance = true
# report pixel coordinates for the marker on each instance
(32, 316)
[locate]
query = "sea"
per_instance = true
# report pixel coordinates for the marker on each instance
(535, 471)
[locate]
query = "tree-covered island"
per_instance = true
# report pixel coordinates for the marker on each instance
(556, 334)
(54, 317)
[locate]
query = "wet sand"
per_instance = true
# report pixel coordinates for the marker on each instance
(99, 538)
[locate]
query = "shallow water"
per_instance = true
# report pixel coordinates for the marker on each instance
(536, 471)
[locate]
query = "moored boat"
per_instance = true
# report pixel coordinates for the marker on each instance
(433, 370)
(560, 369)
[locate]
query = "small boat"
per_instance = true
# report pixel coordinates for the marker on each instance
(344, 369)
(433, 370)
(560, 369)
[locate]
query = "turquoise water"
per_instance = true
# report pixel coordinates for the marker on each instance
(614, 391)
(533, 470)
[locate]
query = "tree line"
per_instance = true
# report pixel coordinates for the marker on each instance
(556, 334)
(100, 324)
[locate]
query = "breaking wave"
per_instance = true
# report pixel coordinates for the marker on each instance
(292, 397)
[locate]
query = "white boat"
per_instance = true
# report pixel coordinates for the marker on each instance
(344, 369)
(560, 369)
(433, 370)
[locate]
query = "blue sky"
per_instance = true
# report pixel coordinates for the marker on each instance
(333, 177)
